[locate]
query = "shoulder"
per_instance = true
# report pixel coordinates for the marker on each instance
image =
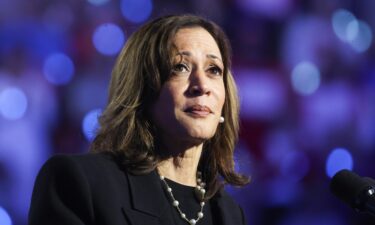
(89, 167)
(76, 187)
(87, 163)
(87, 159)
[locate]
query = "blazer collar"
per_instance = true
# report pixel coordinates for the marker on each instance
(148, 194)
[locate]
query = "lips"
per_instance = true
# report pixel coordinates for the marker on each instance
(198, 110)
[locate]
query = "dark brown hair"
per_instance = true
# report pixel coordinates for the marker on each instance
(141, 69)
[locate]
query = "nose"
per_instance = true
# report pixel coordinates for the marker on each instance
(199, 84)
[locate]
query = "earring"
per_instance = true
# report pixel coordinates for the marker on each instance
(221, 120)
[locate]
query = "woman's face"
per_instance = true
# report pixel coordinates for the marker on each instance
(190, 102)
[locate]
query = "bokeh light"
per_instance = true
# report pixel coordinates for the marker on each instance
(341, 19)
(362, 39)
(136, 11)
(13, 103)
(58, 69)
(351, 30)
(305, 78)
(98, 2)
(90, 124)
(337, 160)
(108, 39)
(4, 217)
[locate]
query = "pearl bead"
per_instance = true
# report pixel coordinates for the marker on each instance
(192, 221)
(199, 191)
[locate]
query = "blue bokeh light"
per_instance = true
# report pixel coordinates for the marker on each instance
(98, 2)
(337, 160)
(136, 11)
(341, 19)
(4, 217)
(90, 124)
(108, 39)
(305, 78)
(352, 30)
(13, 103)
(58, 69)
(362, 39)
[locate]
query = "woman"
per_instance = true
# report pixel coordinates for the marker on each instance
(163, 150)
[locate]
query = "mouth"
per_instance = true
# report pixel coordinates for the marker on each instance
(198, 110)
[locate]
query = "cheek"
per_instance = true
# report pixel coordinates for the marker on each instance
(220, 96)
(177, 98)
(169, 100)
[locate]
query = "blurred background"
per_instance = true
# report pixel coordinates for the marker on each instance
(305, 72)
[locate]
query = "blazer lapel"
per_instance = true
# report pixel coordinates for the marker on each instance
(149, 205)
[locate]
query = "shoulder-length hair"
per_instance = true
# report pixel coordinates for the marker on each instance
(141, 69)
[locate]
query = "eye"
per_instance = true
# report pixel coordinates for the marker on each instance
(180, 68)
(216, 70)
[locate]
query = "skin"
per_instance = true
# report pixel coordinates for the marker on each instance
(189, 107)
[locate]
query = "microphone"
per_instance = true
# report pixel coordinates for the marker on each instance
(358, 192)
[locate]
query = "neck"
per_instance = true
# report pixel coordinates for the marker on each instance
(182, 168)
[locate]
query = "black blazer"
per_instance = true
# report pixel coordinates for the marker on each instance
(93, 189)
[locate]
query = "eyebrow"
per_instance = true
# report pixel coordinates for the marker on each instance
(211, 56)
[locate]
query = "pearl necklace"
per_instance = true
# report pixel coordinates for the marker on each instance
(199, 192)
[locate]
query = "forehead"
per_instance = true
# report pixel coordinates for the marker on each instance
(194, 38)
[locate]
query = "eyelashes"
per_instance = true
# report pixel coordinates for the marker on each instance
(181, 68)
(216, 70)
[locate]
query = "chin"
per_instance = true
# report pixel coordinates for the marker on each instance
(198, 130)
(199, 135)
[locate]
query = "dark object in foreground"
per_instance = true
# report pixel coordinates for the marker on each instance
(358, 192)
